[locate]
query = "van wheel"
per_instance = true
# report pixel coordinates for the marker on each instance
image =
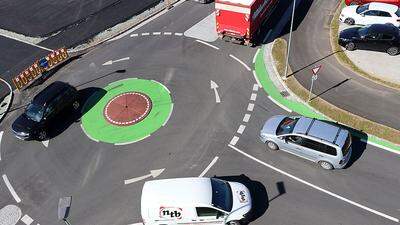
(325, 165)
(234, 222)
(393, 51)
(75, 105)
(350, 46)
(349, 21)
(272, 146)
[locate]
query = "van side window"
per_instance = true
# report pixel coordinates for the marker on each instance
(320, 147)
(204, 211)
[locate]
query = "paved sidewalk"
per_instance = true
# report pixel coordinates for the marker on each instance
(267, 77)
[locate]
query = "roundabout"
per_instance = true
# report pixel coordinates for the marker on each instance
(130, 110)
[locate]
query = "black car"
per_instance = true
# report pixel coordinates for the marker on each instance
(45, 107)
(376, 37)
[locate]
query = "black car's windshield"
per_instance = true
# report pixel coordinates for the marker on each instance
(363, 31)
(287, 125)
(362, 8)
(34, 112)
(221, 194)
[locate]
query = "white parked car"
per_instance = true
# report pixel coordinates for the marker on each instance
(194, 201)
(371, 13)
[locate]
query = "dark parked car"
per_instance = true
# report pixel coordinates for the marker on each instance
(376, 37)
(45, 107)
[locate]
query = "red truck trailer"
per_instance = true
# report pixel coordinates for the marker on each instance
(240, 20)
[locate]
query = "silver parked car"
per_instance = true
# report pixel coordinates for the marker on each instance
(325, 143)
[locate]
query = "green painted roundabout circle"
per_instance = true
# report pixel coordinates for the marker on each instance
(98, 128)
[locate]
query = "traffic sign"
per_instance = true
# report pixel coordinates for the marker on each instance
(316, 69)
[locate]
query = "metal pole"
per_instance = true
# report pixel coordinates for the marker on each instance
(312, 84)
(290, 39)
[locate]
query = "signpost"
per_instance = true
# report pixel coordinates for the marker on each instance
(314, 77)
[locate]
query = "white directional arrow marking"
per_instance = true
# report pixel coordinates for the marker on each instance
(153, 173)
(114, 61)
(45, 143)
(215, 86)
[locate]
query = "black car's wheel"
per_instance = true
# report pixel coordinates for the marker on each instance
(42, 135)
(325, 165)
(272, 146)
(393, 51)
(234, 222)
(75, 105)
(349, 21)
(350, 46)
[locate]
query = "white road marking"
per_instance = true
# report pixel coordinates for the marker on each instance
(314, 186)
(26, 42)
(145, 34)
(153, 173)
(234, 140)
(169, 115)
(255, 87)
(241, 129)
(167, 33)
(46, 143)
(279, 104)
(253, 96)
(156, 33)
(134, 35)
(256, 78)
(381, 146)
(84, 131)
(11, 189)
(178, 34)
(136, 224)
(255, 56)
(131, 142)
(210, 45)
(110, 62)
(209, 166)
(214, 87)
(246, 118)
(162, 86)
(240, 61)
(1, 137)
(27, 219)
(250, 107)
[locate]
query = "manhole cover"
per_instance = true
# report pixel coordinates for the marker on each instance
(10, 215)
(127, 108)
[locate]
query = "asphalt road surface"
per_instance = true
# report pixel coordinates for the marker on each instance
(198, 131)
(337, 84)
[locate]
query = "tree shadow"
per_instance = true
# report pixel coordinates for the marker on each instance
(258, 192)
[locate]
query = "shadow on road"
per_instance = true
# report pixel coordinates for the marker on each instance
(334, 86)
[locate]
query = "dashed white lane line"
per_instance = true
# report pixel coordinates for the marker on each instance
(178, 34)
(279, 104)
(241, 129)
(156, 33)
(209, 166)
(234, 140)
(11, 189)
(145, 34)
(253, 96)
(314, 186)
(1, 137)
(167, 33)
(255, 55)
(255, 87)
(27, 219)
(256, 78)
(240, 61)
(246, 118)
(250, 107)
(210, 45)
(134, 35)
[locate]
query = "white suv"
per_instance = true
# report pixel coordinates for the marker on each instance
(371, 13)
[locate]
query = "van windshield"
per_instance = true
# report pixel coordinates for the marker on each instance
(221, 194)
(287, 125)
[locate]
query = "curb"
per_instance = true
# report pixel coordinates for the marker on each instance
(301, 107)
(7, 100)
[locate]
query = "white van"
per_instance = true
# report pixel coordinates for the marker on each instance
(194, 201)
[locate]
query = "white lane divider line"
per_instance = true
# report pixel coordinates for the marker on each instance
(156, 33)
(178, 34)
(380, 146)
(134, 35)
(145, 34)
(136, 224)
(256, 78)
(253, 96)
(209, 166)
(240, 61)
(1, 137)
(241, 129)
(167, 33)
(27, 219)
(255, 55)
(279, 104)
(209, 45)
(234, 140)
(11, 189)
(250, 107)
(27, 42)
(255, 87)
(246, 118)
(314, 186)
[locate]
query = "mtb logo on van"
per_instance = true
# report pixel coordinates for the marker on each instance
(171, 212)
